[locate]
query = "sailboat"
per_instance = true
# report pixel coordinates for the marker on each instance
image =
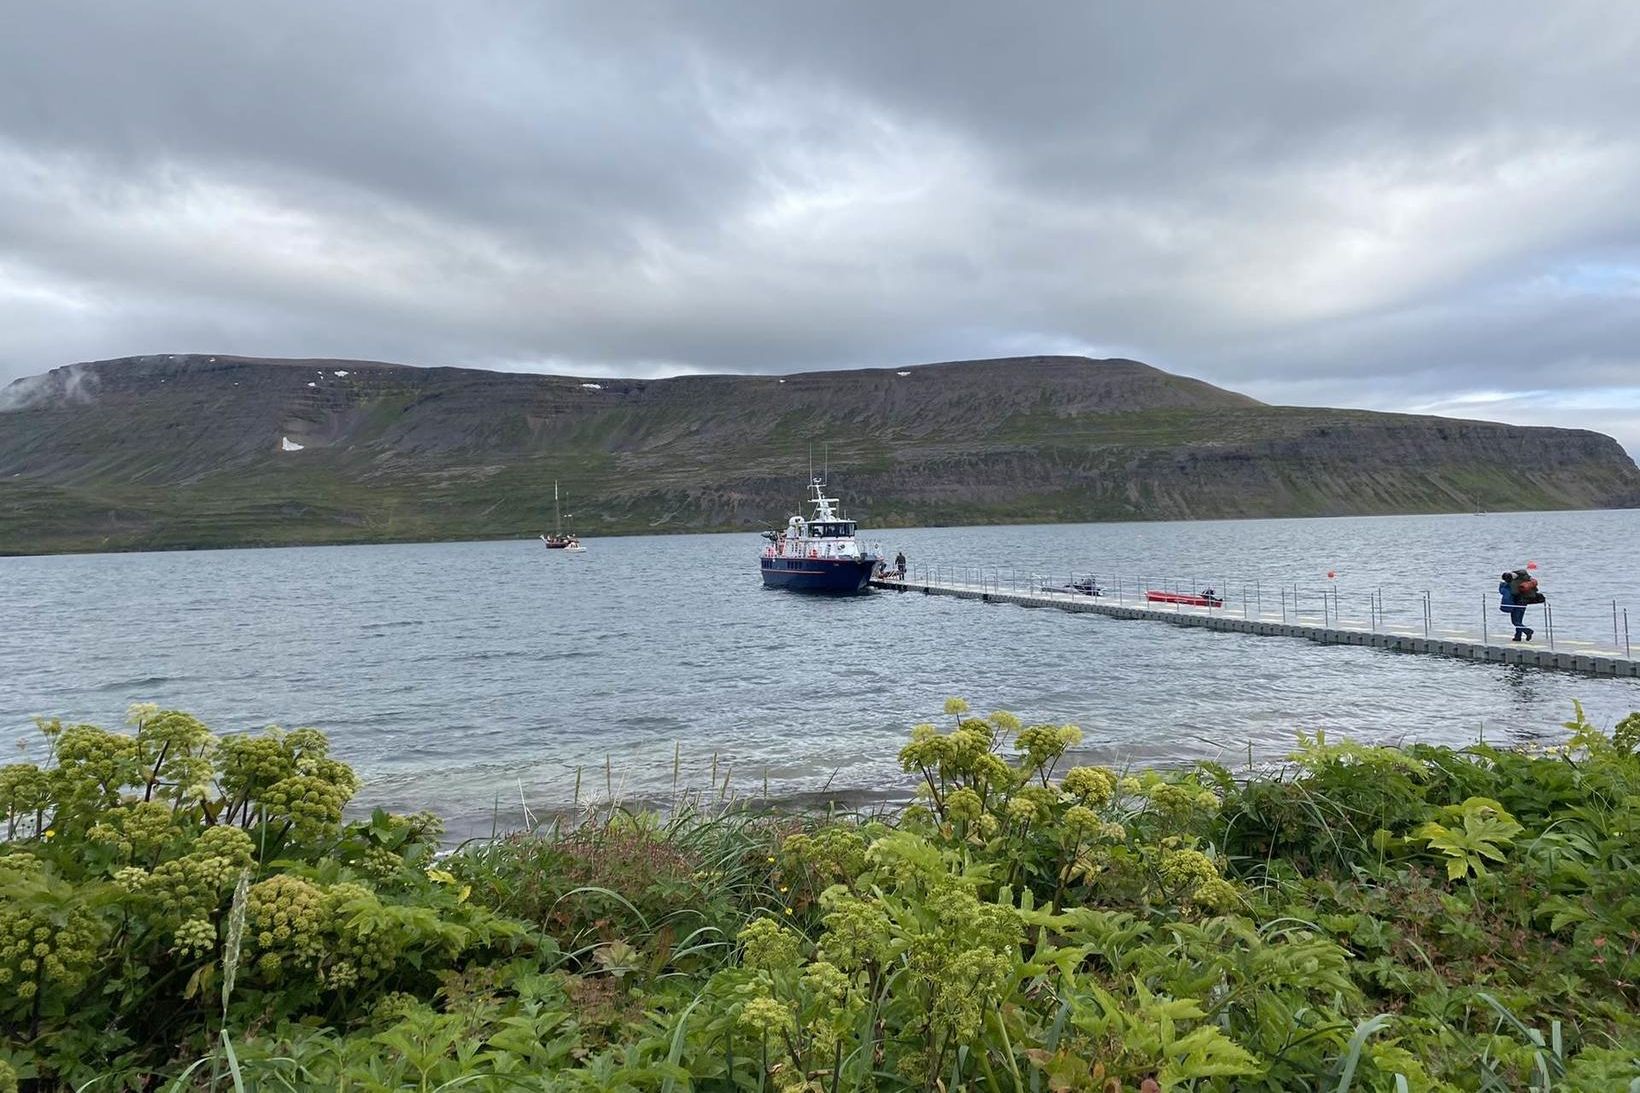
(558, 540)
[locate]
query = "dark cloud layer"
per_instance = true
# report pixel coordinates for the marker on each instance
(1402, 206)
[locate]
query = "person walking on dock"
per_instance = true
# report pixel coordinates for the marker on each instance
(899, 563)
(1513, 608)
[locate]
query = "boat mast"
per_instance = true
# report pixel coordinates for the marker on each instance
(557, 517)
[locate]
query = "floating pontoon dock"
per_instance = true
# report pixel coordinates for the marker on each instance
(1547, 652)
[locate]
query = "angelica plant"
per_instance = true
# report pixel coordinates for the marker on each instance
(1366, 918)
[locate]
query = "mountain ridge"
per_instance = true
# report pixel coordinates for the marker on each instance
(189, 450)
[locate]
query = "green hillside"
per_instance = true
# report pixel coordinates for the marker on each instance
(199, 451)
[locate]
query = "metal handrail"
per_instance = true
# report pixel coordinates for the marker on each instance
(1422, 612)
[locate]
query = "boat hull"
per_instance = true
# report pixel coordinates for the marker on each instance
(833, 576)
(1183, 598)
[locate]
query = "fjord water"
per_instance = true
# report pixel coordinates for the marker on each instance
(478, 678)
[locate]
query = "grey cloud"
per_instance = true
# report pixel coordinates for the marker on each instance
(1393, 205)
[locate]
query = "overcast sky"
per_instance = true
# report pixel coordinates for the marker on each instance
(1428, 207)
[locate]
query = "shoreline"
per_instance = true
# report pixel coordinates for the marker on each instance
(753, 529)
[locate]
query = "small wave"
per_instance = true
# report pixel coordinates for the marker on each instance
(650, 721)
(481, 656)
(145, 681)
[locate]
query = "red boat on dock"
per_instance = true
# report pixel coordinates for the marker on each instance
(1189, 599)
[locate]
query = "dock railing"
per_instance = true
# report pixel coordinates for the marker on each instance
(1424, 612)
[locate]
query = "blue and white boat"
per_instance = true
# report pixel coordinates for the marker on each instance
(819, 554)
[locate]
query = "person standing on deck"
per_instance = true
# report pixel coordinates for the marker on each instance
(1515, 610)
(899, 563)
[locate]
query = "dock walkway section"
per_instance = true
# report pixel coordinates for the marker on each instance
(1586, 657)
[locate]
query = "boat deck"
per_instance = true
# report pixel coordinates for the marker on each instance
(1547, 652)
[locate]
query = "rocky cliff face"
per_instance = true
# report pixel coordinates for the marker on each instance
(193, 450)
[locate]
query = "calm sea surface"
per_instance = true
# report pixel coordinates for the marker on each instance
(468, 677)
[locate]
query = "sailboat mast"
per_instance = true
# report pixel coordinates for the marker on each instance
(557, 517)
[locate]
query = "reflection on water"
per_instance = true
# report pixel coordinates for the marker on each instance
(1522, 683)
(471, 677)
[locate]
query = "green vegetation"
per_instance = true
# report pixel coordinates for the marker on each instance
(183, 911)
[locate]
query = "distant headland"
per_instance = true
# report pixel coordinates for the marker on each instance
(190, 451)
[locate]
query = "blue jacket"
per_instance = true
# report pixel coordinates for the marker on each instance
(1506, 596)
